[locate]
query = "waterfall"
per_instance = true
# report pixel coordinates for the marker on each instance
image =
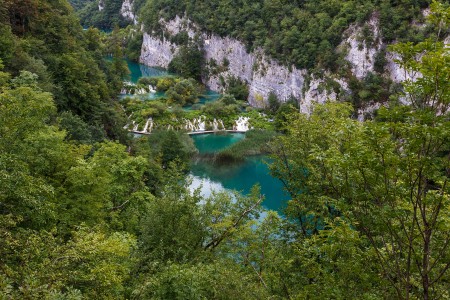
(140, 91)
(197, 124)
(221, 123)
(201, 123)
(148, 126)
(127, 86)
(241, 124)
(135, 126)
(215, 125)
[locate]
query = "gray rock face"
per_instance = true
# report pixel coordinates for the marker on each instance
(156, 52)
(127, 11)
(262, 74)
(397, 73)
(361, 55)
(227, 57)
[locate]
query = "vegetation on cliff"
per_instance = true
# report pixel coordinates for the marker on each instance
(83, 216)
(279, 27)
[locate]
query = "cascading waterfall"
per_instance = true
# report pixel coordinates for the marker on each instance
(148, 126)
(132, 88)
(221, 123)
(214, 125)
(197, 124)
(242, 124)
(135, 126)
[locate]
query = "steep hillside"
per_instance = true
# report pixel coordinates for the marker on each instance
(104, 14)
(46, 39)
(307, 50)
(302, 33)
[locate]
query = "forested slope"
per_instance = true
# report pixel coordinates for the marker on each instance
(45, 38)
(303, 33)
(86, 213)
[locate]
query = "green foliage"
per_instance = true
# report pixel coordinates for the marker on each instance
(373, 88)
(6, 43)
(78, 131)
(387, 178)
(274, 103)
(91, 264)
(188, 61)
(220, 110)
(237, 88)
(48, 41)
(255, 143)
(79, 4)
(172, 146)
(279, 27)
(84, 218)
(107, 18)
(228, 99)
(184, 92)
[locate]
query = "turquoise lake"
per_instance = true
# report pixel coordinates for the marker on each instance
(241, 177)
(138, 70)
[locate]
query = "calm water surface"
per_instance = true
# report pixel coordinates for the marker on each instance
(241, 177)
(138, 70)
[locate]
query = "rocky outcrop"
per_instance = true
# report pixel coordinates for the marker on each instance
(362, 44)
(397, 73)
(156, 52)
(127, 11)
(262, 74)
(101, 5)
(227, 57)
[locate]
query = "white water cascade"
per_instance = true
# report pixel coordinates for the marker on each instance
(197, 124)
(215, 125)
(135, 126)
(242, 124)
(221, 123)
(129, 86)
(148, 126)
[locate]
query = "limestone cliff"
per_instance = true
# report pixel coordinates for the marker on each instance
(226, 57)
(127, 11)
(262, 74)
(362, 44)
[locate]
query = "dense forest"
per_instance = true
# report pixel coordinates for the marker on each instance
(301, 33)
(87, 212)
(305, 34)
(105, 18)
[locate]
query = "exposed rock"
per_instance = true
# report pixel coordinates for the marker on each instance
(262, 74)
(397, 73)
(362, 49)
(156, 52)
(228, 57)
(101, 5)
(127, 11)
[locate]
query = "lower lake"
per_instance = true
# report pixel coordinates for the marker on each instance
(240, 176)
(210, 177)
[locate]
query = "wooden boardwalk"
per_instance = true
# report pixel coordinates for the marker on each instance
(194, 132)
